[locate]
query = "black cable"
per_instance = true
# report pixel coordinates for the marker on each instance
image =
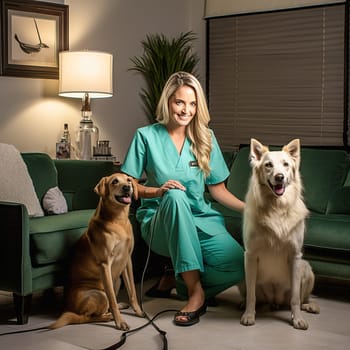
(150, 321)
(24, 331)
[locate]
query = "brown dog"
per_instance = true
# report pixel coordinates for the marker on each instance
(102, 255)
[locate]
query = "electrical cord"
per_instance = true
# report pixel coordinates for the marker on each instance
(24, 331)
(150, 322)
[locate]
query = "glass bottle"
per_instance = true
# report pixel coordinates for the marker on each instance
(66, 134)
(63, 147)
(88, 133)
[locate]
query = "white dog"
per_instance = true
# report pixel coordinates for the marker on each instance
(273, 234)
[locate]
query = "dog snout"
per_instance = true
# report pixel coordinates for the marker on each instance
(279, 178)
(126, 188)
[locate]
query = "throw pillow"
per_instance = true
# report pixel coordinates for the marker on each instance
(16, 184)
(54, 202)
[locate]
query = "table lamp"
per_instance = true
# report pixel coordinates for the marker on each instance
(86, 75)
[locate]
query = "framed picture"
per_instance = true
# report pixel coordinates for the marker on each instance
(32, 35)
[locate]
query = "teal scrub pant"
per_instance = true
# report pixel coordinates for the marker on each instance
(172, 232)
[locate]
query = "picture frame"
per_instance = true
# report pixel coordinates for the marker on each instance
(32, 35)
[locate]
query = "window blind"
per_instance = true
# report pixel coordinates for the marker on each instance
(278, 76)
(215, 8)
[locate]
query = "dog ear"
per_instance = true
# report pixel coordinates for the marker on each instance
(293, 149)
(135, 192)
(100, 188)
(257, 150)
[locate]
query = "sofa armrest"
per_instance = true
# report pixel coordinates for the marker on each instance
(15, 262)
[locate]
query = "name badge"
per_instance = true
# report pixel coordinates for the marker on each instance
(193, 163)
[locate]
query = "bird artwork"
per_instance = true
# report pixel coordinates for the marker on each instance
(30, 48)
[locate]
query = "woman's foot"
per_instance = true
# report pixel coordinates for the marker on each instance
(189, 318)
(190, 313)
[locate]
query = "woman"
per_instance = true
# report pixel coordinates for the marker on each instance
(180, 155)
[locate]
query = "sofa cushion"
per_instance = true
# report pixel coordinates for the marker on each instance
(78, 178)
(339, 202)
(323, 172)
(43, 172)
(52, 237)
(328, 232)
(240, 173)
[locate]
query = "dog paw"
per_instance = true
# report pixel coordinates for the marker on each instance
(141, 314)
(248, 319)
(311, 307)
(106, 317)
(138, 311)
(123, 326)
(300, 323)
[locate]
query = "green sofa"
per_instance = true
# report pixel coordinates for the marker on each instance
(34, 251)
(326, 179)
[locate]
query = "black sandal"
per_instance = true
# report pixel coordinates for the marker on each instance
(192, 317)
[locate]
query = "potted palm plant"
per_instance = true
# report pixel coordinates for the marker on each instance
(161, 58)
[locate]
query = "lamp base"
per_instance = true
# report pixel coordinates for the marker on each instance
(87, 138)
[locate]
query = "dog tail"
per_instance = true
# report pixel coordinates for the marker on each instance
(69, 318)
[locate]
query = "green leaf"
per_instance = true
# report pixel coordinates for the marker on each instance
(161, 58)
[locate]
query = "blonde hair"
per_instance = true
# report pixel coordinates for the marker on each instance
(198, 130)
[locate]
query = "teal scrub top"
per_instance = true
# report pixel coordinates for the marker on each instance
(153, 152)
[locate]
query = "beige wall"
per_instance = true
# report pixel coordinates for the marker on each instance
(32, 115)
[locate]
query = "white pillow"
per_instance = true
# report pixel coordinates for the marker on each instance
(16, 184)
(54, 201)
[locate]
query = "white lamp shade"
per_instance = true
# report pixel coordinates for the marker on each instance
(83, 72)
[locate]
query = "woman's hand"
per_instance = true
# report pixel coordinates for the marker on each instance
(152, 192)
(171, 184)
